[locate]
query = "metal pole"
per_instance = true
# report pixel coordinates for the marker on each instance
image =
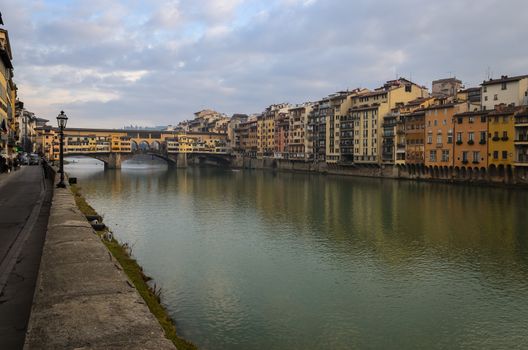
(61, 159)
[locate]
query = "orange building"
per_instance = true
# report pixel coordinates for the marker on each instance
(471, 135)
(282, 124)
(414, 137)
(439, 128)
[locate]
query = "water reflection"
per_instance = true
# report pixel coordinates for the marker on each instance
(252, 260)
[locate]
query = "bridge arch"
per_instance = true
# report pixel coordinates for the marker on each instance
(144, 146)
(155, 146)
(134, 146)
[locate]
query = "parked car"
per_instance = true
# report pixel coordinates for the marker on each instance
(34, 159)
(24, 159)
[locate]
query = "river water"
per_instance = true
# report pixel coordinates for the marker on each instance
(263, 260)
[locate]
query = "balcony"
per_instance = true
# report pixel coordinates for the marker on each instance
(522, 160)
(521, 139)
(415, 131)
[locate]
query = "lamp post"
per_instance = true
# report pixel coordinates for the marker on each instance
(62, 119)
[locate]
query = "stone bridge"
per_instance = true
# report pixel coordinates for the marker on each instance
(113, 160)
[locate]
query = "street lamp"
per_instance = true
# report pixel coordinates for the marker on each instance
(62, 119)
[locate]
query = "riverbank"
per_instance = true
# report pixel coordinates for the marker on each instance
(150, 294)
(503, 177)
(83, 297)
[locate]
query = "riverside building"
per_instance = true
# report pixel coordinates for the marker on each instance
(471, 139)
(509, 91)
(439, 131)
(368, 110)
(501, 131)
(299, 142)
(521, 139)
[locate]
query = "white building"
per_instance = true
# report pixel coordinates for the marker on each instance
(506, 90)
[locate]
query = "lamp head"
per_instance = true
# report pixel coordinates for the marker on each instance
(62, 119)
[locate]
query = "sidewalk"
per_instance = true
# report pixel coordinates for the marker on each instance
(83, 299)
(25, 199)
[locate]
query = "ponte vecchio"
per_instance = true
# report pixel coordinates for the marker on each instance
(114, 146)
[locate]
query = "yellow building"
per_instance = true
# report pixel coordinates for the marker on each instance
(299, 144)
(339, 104)
(266, 129)
(368, 111)
(7, 97)
(501, 132)
(45, 139)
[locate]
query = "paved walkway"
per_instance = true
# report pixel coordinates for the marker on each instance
(24, 209)
(83, 299)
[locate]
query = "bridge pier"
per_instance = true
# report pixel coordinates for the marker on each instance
(113, 162)
(181, 160)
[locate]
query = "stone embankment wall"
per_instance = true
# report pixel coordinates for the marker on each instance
(509, 176)
(83, 300)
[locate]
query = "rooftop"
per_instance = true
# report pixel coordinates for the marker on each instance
(503, 79)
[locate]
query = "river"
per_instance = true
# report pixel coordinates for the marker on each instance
(263, 260)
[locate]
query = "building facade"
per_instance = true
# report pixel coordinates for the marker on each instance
(369, 109)
(414, 125)
(501, 131)
(471, 139)
(509, 91)
(8, 128)
(521, 139)
(299, 145)
(439, 133)
(446, 87)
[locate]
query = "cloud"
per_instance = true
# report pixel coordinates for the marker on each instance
(158, 61)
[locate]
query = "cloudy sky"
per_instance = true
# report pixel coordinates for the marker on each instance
(110, 63)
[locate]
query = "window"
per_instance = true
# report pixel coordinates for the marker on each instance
(450, 136)
(476, 157)
(430, 138)
(482, 136)
(495, 154)
(439, 138)
(471, 136)
(482, 119)
(435, 122)
(485, 98)
(445, 155)
(428, 123)
(505, 119)
(471, 120)
(505, 134)
(464, 157)
(504, 154)
(485, 89)
(432, 155)
(459, 137)
(504, 86)
(444, 122)
(460, 120)
(495, 97)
